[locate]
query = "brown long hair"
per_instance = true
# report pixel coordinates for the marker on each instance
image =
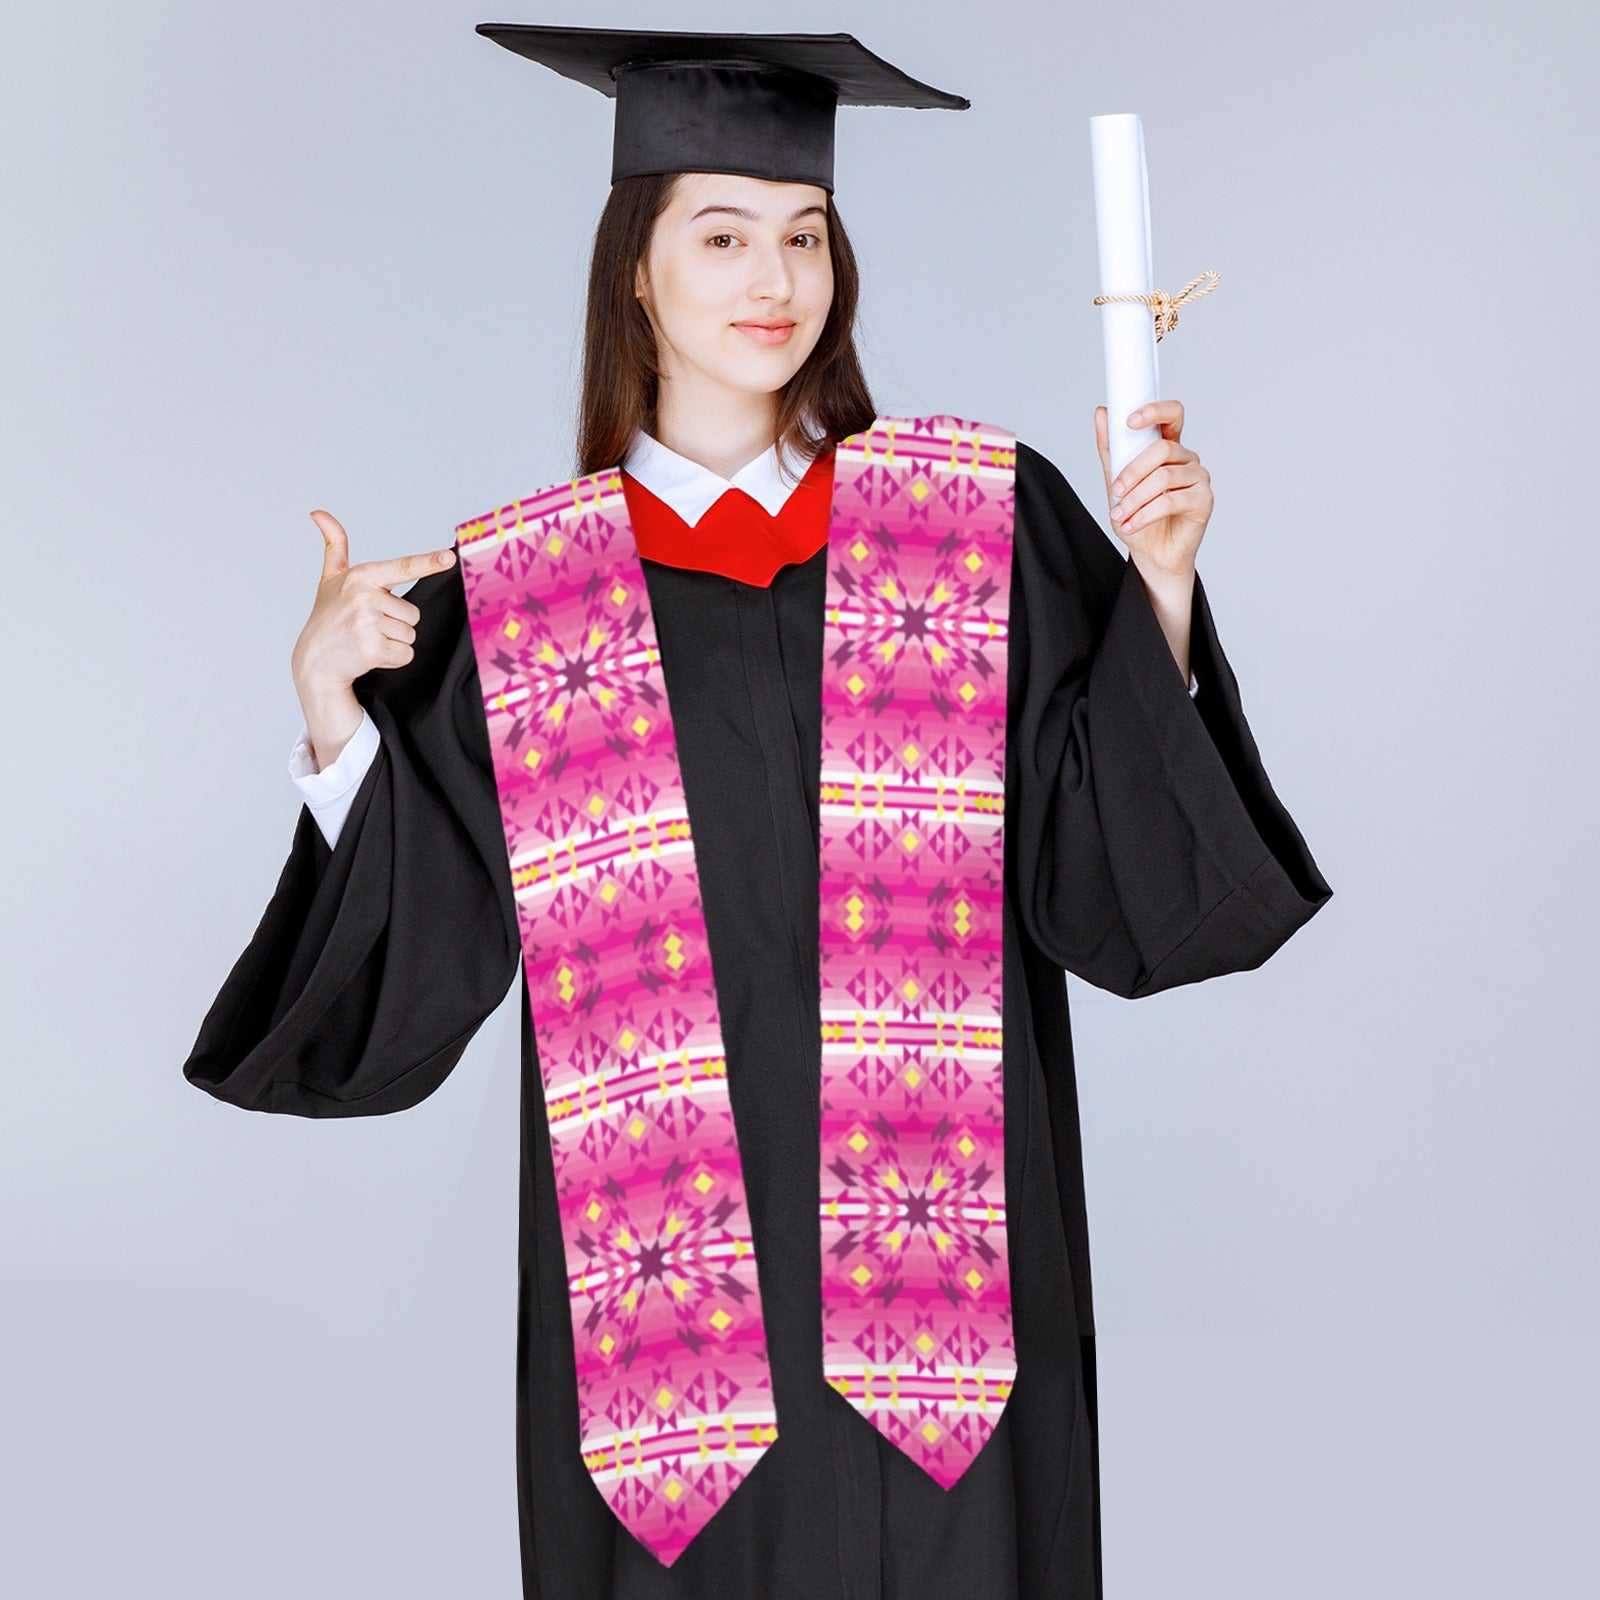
(620, 374)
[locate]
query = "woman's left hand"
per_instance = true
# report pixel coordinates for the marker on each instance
(1163, 494)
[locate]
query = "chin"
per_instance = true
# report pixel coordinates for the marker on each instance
(757, 380)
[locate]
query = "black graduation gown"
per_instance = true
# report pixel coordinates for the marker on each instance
(1144, 848)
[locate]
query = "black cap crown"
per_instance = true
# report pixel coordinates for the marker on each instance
(761, 104)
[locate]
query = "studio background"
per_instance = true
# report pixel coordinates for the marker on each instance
(1343, 1208)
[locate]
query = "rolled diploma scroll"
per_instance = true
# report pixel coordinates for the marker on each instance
(1122, 228)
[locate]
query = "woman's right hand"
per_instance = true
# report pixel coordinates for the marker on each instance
(356, 624)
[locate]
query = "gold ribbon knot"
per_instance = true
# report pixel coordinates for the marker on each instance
(1163, 304)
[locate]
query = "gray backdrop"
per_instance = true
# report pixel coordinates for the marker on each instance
(260, 260)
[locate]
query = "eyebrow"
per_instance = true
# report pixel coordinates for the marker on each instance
(755, 216)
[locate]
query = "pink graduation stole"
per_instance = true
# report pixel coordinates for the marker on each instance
(675, 1390)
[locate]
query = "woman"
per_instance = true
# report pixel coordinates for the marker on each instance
(1143, 848)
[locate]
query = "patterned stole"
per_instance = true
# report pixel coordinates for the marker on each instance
(674, 1383)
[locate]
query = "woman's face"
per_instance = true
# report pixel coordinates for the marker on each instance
(729, 251)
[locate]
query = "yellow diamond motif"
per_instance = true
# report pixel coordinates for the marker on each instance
(924, 1343)
(909, 989)
(913, 1077)
(594, 1210)
(704, 1182)
(974, 1279)
(974, 561)
(513, 628)
(967, 693)
(636, 1127)
(920, 489)
(618, 593)
(857, 1141)
(641, 724)
(532, 759)
(608, 891)
(858, 550)
(626, 1041)
(664, 1397)
(909, 840)
(910, 754)
(597, 805)
(862, 1274)
(930, 1430)
(965, 1145)
(854, 684)
(556, 545)
(672, 1489)
(720, 1319)
(606, 1345)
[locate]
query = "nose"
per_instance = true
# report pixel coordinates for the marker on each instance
(771, 277)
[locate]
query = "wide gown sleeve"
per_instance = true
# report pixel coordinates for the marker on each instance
(377, 959)
(1150, 849)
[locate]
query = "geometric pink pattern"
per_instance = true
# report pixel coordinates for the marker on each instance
(674, 1385)
(916, 1289)
(675, 1396)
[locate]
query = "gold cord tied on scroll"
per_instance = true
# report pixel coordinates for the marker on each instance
(1163, 304)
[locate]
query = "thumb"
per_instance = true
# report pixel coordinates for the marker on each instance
(336, 547)
(1102, 439)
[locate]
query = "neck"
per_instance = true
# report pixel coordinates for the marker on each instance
(722, 429)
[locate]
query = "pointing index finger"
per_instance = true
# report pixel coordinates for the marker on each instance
(402, 569)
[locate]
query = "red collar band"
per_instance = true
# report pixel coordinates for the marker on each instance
(737, 536)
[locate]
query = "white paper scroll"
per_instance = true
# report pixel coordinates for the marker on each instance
(1122, 228)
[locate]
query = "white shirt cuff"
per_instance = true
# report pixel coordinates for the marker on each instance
(330, 792)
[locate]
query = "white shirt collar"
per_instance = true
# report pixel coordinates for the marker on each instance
(691, 489)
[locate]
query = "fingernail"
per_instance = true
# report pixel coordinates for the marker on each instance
(446, 557)
(1134, 417)
(1116, 500)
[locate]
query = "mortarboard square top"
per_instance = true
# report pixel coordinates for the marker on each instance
(760, 104)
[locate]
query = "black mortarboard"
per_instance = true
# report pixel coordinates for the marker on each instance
(760, 104)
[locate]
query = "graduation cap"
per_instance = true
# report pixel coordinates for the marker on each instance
(761, 104)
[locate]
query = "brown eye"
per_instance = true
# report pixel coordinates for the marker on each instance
(816, 236)
(714, 237)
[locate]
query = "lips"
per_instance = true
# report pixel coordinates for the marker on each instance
(766, 332)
